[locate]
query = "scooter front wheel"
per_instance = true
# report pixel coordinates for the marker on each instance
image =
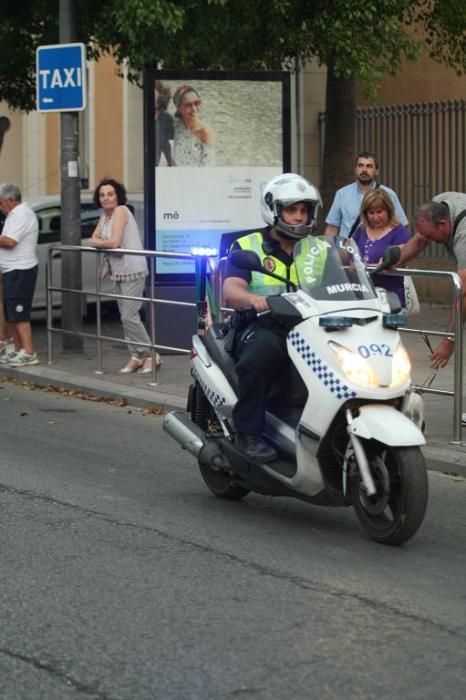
(394, 514)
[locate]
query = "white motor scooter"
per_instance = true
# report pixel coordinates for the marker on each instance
(335, 415)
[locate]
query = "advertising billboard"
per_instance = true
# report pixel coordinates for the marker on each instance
(218, 138)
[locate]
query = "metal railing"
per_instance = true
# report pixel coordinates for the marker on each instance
(100, 294)
(216, 284)
(457, 392)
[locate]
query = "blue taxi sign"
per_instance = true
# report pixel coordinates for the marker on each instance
(61, 78)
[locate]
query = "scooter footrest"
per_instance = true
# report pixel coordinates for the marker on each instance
(281, 466)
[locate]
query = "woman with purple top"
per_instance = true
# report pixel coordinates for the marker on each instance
(378, 229)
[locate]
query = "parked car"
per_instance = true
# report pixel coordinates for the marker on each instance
(48, 210)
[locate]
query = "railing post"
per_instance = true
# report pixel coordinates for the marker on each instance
(201, 302)
(98, 311)
(152, 318)
(458, 359)
(48, 297)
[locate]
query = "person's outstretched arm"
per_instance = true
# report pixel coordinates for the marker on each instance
(412, 248)
(444, 349)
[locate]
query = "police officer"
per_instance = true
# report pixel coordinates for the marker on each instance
(289, 207)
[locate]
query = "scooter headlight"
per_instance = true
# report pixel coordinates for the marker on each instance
(356, 368)
(401, 367)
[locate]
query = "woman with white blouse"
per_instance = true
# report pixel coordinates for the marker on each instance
(117, 228)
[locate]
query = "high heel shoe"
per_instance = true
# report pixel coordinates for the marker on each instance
(147, 364)
(133, 365)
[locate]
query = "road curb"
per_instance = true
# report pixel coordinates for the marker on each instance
(446, 459)
(141, 397)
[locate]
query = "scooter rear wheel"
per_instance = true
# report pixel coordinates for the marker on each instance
(394, 514)
(219, 481)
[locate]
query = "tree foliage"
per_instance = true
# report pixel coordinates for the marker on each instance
(360, 41)
(443, 23)
(23, 27)
(356, 41)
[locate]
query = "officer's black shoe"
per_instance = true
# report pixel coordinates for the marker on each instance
(255, 448)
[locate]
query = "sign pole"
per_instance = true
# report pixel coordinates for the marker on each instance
(72, 304)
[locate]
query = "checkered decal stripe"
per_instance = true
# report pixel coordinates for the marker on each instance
(213, 398)
(326, 376)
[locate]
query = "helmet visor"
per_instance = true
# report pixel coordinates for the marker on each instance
(284, 205)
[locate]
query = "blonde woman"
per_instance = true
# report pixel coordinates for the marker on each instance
(378, 229)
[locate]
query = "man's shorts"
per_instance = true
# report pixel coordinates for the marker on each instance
(18, 290)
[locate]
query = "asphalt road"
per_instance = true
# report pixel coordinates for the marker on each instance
(122, 578)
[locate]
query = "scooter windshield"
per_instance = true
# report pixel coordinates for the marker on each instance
(331, 268)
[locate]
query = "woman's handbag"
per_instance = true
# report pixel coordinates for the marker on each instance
(412, 305)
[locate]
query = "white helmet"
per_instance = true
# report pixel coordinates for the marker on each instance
(286, 189)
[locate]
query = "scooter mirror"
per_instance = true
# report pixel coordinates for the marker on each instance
(246, 260)
(391, 255)
(390, 258)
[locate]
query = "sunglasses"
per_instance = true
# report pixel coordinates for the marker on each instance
(194, 103)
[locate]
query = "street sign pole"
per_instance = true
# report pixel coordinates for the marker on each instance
(70, 201)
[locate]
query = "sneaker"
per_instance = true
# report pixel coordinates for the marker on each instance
(7, 353)
(22, 359)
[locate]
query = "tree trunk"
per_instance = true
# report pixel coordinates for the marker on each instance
(340, 136)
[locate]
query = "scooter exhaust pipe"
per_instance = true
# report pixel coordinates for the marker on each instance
(184, 431)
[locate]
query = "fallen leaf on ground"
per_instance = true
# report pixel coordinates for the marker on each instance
(79, 394)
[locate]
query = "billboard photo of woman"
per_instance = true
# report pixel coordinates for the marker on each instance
(194, 141)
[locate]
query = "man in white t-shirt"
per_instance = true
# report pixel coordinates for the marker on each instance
(4, 339)
(19, 265)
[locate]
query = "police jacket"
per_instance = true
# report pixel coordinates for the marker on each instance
(274, 259)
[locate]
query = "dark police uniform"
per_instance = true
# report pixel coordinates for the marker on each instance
(260, 350)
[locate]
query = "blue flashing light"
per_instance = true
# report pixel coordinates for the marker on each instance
(394, 320)
(204, 252)
(335, 321)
